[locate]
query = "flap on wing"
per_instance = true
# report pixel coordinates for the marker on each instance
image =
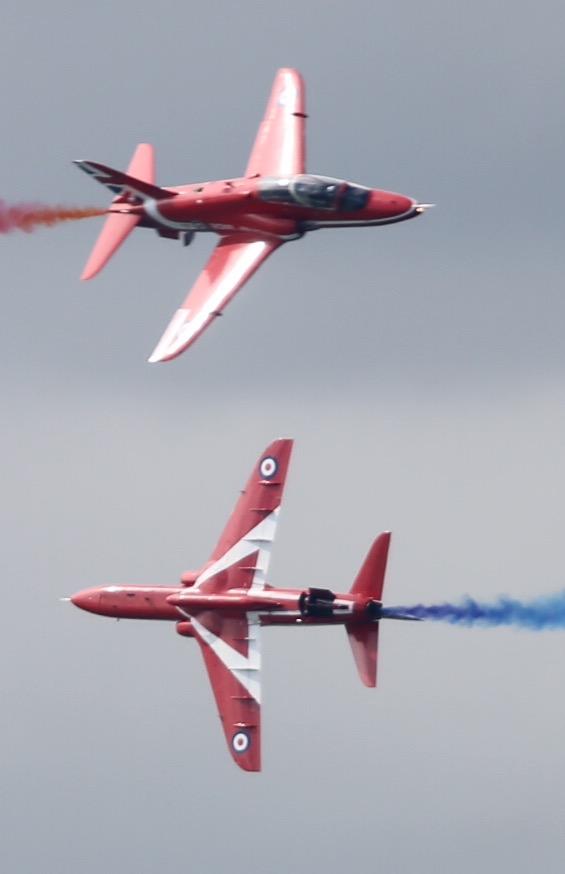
(241, 557)
(231, 264)
(280, 147)
(231, 650)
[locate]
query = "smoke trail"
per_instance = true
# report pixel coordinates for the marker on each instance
(29, 216)
(536, 615)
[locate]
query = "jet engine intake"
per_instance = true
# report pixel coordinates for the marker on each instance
(185, 628)
(189, 578)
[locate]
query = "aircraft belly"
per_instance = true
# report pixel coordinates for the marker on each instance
(317, 224)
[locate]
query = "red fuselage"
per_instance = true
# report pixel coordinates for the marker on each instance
(272, 606)
(282, 208)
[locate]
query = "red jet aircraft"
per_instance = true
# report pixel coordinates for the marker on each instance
(275, 201)
(224, 605)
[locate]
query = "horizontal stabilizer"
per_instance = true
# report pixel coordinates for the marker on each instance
(364, 640)
(116, 228)
(129, 189)
(368, 587)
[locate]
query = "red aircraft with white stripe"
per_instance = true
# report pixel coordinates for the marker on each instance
(275, 201)
(224, 605)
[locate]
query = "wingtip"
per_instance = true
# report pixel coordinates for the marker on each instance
(175, 339)
(160, 354)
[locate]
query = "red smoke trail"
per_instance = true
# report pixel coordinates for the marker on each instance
(29, 216)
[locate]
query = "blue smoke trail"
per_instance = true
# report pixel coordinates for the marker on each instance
(536, 615)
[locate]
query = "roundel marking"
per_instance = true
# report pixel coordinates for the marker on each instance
(268, 467)
(240, 742)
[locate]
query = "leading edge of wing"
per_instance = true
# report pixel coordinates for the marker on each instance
(280, 145)
(231, 264)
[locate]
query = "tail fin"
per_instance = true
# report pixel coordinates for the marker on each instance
(131, 189)
(370, 579)
(364, 636)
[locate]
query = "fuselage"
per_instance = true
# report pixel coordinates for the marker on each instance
(283, 208)
(271, 606)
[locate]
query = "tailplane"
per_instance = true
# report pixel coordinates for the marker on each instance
(130, 189)
(368, 587)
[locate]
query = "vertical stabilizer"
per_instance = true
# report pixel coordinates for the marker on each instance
(370, 579)
(142, 164)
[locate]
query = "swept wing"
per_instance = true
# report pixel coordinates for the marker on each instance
(232, 655)
(280, 145)
(231, 645)
(231, 264)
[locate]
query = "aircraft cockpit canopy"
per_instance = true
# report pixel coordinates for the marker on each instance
(315, 192)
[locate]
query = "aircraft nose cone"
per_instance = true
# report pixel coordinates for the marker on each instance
(388, 204)
(88, 599)
(400, 203)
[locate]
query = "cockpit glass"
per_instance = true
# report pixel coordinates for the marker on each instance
(315, 192)
(354, 197)
(276, 190)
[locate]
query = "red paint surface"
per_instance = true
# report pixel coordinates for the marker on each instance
(252, 214)
(224, 604)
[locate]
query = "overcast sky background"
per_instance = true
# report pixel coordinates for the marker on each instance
(421, 370)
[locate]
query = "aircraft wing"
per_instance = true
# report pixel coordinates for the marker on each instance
(280, 148)
(241, 557)
(231, 650)
(231, 264)
(230, 644)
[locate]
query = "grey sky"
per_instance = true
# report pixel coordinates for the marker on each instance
(420, 368)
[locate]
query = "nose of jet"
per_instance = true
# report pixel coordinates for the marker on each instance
(388, 204)
(88, 599)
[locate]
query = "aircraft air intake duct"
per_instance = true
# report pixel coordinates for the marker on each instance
(185, 629)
